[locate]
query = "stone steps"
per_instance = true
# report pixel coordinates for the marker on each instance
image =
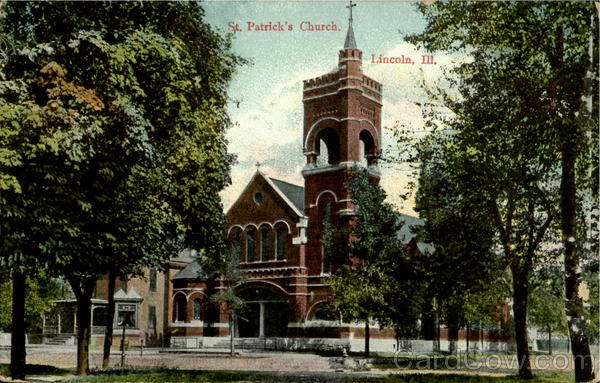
(245, 344)
(57, 340)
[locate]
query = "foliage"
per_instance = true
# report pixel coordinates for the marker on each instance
(41, 291)
(137, 103)
(115, 123)
(379, 280)
(233, 276)
(590, 275)
(521, 127)
(464, 267)
(546, 311)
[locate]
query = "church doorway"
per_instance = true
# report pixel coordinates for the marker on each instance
(265, 314)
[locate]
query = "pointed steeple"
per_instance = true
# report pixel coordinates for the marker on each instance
(350, 42)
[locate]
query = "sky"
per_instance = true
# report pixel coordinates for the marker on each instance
(266, 94)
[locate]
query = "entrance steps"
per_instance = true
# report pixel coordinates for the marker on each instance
(58, 339)
(249, 344)
(221, 344)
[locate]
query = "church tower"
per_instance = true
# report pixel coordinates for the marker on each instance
(342, 133)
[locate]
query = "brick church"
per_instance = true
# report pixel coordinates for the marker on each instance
(274, 230)
(274, 227)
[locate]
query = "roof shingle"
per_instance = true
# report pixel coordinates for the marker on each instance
(293, 192)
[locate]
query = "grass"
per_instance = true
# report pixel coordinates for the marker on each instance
(35, 369)
(433, 378)
(173, 375)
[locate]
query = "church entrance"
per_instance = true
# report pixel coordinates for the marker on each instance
(265, 314)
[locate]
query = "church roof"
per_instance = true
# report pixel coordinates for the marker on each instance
(293, 192)
(350, 42)
(191, 271)
(409, 226)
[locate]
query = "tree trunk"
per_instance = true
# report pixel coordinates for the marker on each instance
(437, 325)
(583, 365)
(232, 333)
(108, 334)
(468, 334)
(83, 288)
(367, 336)
(84, 319)
(428, 330)
(17, 337)
(438, 334)
(549, 340)
(452, 337)
(520, 293)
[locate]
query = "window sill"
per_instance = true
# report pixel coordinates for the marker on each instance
(188, 324)
(117, 331)
(263, 262)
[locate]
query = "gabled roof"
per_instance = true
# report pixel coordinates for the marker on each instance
(184, 256)
(409, 226)
(130, 295)
(293, 192)
(292, 195)
(192, 271)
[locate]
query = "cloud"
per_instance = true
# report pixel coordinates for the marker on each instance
(405, 81)
(269, 134)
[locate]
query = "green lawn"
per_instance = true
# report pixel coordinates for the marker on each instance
(167, 375)
(35, 369)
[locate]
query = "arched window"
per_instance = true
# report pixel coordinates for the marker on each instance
(235, 246)
(197, 309)
(326, 219)
(327, 211)
(152, 277)
(326, 264)
(250, 239)
(264, 244)
(180, 309)
(280, 243)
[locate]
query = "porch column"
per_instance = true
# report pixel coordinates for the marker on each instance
(59, 328)
(92, 319)
(261, 321)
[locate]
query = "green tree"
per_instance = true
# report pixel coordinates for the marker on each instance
(539, 54)
(464, 262)
(116, 129)
(485, 306)
(590, 274)
(41, 292)
(546, 309)
(378, 278)
(231, 276)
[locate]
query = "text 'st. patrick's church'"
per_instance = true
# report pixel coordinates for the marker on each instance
(275, 227)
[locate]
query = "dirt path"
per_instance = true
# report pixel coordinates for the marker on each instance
(66, 358)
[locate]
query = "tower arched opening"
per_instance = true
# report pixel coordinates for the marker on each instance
(367, 148)
(327, 147)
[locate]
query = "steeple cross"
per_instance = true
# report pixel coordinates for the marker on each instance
(352, 5)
